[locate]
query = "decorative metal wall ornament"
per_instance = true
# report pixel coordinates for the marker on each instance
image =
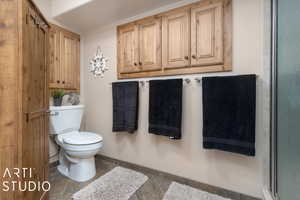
(98, 64)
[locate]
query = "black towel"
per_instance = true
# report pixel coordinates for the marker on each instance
(165, 107)
(125, 106)
(229, 113)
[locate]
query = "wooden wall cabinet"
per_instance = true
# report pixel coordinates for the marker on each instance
(207, 34)
(128, 49)
(139, 46)
(192, 39)
(64, 59)
(176, 39)
(149, 50)
(54, 58)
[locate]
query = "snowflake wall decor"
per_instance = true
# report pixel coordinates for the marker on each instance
(98, 65)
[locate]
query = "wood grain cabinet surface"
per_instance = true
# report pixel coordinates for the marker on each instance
(149, 44)
(139, 46)
(24, 97)
(207, 34)
(176, 39)
(192, 39)
(54, 58)
(64, 59)
(128, 49)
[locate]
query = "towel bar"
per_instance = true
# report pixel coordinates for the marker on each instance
(186, 80)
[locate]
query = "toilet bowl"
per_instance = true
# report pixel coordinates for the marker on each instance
(77, 149)
(77, 155)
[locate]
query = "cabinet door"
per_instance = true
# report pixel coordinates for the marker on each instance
(54, 59)
(207, 34)
(35, 101)
(150, 44)
(128, 49)
(10, 102)
(176, 39)
(69, 61)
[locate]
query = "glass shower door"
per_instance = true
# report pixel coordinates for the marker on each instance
(288, 99)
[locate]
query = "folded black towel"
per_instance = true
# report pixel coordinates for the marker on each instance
(125, 106)
(165, 107)
(229, 113)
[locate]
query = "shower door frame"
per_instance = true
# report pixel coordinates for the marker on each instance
(274, 103)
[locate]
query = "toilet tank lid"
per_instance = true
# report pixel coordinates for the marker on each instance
(57, 108)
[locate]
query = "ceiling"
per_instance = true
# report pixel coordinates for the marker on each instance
(98, 13)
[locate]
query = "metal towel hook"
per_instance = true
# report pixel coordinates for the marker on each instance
(142, 83)
(198, 80)
(187, 80)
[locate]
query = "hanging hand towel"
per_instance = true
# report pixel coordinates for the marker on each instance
(125, 106)
(229, 113)
(165, 108)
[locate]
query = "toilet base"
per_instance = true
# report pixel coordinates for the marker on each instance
(63, 170)
(82, 171)
(77, 169)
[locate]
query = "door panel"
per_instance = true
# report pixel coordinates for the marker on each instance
(207, 35)
(150, 45)
(8, 161)
(10, 103)
(176, 39)
(54, 60)
(35, 101)
(128, 49)
(33, 154)
(69, 58)
(287, 83)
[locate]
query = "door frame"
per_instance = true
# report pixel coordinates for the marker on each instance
(274, 102)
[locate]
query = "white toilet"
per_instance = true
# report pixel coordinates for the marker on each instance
(78, 149)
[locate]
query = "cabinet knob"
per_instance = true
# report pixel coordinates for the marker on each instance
(63, 82)
(194, 56)
(140, 63)
(186, 57)
(58, 81)
(135, 64)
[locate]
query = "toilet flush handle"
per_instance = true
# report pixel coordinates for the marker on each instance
(54, 113)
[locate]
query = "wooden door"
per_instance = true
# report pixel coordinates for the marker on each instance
(9, 95)
(70, 65)
(207, 35)
(54, 59)
(35, 101)
(128, 49)
(150, 44)
(176, 39)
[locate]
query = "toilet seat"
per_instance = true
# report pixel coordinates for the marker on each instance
(79, 138)
(79, 141)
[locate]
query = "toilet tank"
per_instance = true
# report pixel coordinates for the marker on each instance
(65, 119)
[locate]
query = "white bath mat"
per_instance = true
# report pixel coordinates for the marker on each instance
(178, 191)
(117, 184)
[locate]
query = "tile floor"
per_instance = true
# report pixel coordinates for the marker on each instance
(62, 188)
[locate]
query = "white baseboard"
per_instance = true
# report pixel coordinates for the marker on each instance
(267, 194)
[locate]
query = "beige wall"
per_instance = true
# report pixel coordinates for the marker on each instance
(45, 7)
(49, 7)
(59, 7)
(186, 157)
